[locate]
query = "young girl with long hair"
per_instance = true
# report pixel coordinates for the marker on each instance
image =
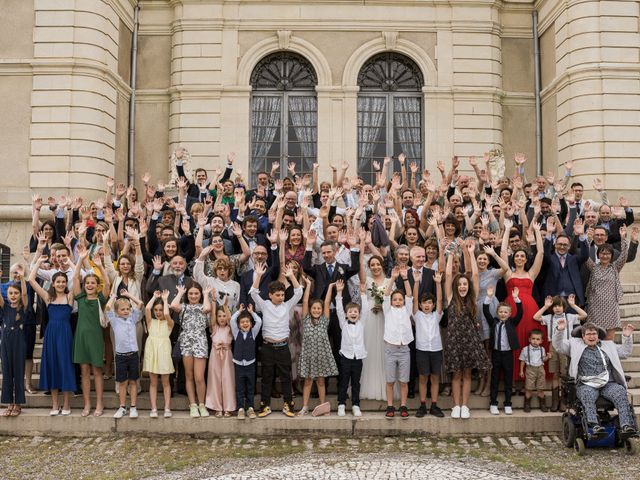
(157, 350)
(463, 349)
(193, 342)
(221, 387)
(13, 347)
(56, 366)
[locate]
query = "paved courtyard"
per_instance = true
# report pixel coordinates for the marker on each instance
(176, 457)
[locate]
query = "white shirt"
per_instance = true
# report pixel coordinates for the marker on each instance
(352, 342)
(397, 322)
(428, 337)
(124, 330)
(275, 318)
(551, 321)
(532, 356)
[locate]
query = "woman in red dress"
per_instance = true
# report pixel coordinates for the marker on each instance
(522, 279)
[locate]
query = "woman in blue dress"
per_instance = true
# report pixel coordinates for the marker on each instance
(56, 369)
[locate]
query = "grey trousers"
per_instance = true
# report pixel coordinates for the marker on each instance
(611, 391)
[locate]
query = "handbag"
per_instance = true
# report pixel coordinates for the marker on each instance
(176, 352)
(104, 321)
(599, 380)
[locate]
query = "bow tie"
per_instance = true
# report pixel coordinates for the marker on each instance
(351, 322)
(251, 239)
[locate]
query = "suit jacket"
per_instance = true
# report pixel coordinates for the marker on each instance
(427, 285)
(572, 262)
(509, 326)
(321, 275)
(271, 275)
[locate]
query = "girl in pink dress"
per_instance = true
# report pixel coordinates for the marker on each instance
(221, 385)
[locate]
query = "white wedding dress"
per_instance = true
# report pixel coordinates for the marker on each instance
(373, 380)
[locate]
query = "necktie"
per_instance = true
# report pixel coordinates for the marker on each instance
(499, 340)
(562, 259)
(330, 270)
(181, 280)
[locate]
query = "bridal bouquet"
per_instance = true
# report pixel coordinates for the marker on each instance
(377, 293)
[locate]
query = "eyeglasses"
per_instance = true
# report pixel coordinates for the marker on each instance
(562, 244)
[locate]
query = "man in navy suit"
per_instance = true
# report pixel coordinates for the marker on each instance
(326, 273)
(563, 268)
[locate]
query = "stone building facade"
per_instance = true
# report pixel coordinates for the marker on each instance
(65, 87)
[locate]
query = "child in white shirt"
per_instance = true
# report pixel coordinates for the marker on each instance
(559, 363)
(427, 314)
(397, 337)
(352, 349)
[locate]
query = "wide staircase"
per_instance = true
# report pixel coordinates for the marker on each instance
(35, 417)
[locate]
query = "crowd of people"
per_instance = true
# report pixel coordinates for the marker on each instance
(420, 281)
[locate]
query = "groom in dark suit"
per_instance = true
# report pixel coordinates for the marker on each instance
(563, 268)
(326, 273)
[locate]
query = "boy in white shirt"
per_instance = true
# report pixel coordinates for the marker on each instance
(397, 337)
(352, 349)
(427, 314)
(559, 363)
(276, 356)
(533, 357)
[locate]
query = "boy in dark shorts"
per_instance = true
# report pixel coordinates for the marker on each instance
(123, 319)
(427, 315)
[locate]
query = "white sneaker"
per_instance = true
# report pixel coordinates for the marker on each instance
(464, 412)
(121, 412)
(153, 413)
(455, 412)
(356, 411)
(341, 410)
(133, 412)
(508, 410)
(494, 410)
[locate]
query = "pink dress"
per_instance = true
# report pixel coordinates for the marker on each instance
(221, 385)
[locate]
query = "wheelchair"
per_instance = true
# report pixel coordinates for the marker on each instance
(577, 434)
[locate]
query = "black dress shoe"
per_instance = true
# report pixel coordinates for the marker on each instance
(598, 431)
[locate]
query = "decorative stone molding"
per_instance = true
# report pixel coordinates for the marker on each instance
(389, 41)
(284, 40)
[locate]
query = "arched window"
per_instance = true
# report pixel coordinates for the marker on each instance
(284, 114)
(389, 112)
(5, 262)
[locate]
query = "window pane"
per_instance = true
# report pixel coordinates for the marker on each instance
(265, 132)
(407, 129)
(303, 133)
(372, 138)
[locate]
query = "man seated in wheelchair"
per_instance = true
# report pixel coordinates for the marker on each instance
(595, 365)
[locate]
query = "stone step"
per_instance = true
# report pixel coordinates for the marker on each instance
(181, 402)
(636, 336)
(630, 298)
(631, 365)
(630, 287)
(635, 396)
(38, 422)
(627, 311)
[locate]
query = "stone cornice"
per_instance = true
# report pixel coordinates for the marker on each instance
(591, 71)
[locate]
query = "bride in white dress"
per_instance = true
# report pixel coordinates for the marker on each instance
(372, 380)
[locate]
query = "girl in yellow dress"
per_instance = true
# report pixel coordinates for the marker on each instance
(157, 350)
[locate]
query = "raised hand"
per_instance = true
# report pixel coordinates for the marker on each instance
(181, 289)
(634, 233)
(260, 268)
(158, 264)
(339, 286)
(312, 236)
(562, 323)
(158, 294)
(490, 292)
(627, 330)
(548, 301)
(272, 236)
(489, 250)
(597, 184)
(515, 292)
(571, 300)
(437, 277)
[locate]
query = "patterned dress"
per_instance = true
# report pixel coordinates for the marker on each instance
(193, 336)
(316, 357)
(463, 348)
(604, 291)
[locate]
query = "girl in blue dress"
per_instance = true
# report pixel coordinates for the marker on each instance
(13, 346)
(56, 368)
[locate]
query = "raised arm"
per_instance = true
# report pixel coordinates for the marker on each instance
(305, 298)
(327, 298)
(148, 309)
(176, 304)
(448, 279)
(33, 275)
(537, 262)
(548, 301)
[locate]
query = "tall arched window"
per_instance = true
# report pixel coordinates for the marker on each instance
(389, 112)
(284, 114)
